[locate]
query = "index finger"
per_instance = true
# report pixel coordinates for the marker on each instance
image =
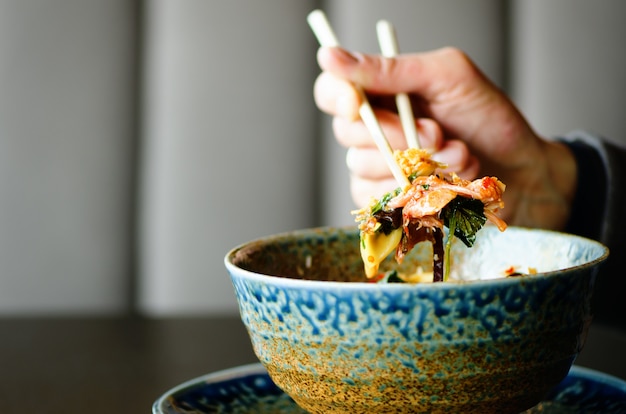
(429, 74)
(336, 96)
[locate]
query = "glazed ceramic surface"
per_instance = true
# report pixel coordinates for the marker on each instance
(336, 344)
(248, 389)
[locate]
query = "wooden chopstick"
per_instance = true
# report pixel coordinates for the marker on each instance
(388, 42)
(326, 37)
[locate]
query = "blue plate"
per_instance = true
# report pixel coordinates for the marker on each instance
(249, 389)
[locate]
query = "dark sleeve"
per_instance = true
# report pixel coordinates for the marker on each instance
(586, 216)
(598, 212)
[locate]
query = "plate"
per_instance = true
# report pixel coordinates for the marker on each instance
(248, 388)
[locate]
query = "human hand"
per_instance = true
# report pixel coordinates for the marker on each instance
(463, 117)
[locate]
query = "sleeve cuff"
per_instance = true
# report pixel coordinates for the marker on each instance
(589, 204)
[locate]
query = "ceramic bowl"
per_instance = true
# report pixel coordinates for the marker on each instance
(492, 344)
(248, 389)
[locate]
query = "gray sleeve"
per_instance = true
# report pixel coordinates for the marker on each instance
(601, 201)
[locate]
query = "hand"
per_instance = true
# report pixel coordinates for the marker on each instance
(462, 116)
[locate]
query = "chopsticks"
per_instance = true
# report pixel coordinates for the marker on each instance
(326, 37)
(388, 42)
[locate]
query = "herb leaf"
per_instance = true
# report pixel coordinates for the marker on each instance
(391, 277)
(382, 203)
(464, 217)
(389, 220)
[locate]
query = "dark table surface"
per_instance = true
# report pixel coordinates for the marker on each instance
(122, 365)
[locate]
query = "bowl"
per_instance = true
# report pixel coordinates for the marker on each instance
(482, 343)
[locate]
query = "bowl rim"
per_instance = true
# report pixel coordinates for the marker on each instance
(447, 285)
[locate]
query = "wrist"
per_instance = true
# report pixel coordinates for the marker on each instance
(562, 170)
(549, 188)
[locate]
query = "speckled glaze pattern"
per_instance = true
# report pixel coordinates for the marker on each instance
(249, 389)
(486, 346)
(241, 390)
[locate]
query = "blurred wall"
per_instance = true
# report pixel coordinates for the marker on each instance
(67, 142)
(139, 141)
(568, 65)
(229, 141)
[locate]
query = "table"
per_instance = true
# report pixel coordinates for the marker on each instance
(110, 365)
(123, 364)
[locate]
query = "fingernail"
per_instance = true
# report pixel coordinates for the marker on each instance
(346, 57)
(350, 158)
(437, 157)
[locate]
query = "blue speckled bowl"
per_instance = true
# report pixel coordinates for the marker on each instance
(337, 345)
(248, 389)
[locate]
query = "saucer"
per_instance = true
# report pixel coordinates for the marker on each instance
(248, 388)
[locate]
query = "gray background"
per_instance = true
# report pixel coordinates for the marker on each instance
(139, 141)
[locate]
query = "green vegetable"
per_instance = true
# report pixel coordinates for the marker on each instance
(391, 277)
(463, 217)
(388, 220)
(382, 203)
